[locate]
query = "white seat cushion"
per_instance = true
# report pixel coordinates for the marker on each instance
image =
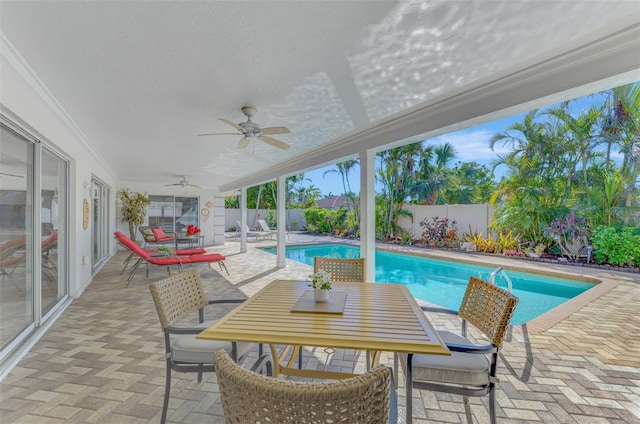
(460, 368)
(186, 348)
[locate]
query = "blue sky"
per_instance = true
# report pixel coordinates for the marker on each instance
(471, 144)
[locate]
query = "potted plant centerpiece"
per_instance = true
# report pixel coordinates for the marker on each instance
(321, 284)
(192, 230)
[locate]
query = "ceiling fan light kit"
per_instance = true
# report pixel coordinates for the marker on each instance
(250, 131)
(184, 183)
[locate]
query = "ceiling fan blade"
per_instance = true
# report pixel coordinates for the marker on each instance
(276, 143)
(233, 124)
(194, 186)
(201, 135)
(244, 142)
(169, 185)
(11, 175)
(274, 130)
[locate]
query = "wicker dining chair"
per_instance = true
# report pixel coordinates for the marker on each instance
(471, 368)
(175, 298)
(248, 397)
(341, 270)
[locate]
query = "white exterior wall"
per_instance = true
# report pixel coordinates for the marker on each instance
(26, 102)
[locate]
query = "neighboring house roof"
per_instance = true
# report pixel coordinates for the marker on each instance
(333, 202)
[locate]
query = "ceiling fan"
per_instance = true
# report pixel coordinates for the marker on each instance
(6, 174)
(250, 131)
(183, 183)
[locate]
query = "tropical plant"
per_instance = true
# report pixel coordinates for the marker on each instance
(395, 175)
(617, 245)
(570, 234)
(625, 125)
(439, 232)
(405, 236)
(469, 183)
(508, 242)
(133, 209)
(431, 178)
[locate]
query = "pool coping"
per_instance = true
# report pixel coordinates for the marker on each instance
(541, 323)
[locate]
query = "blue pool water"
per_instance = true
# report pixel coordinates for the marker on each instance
(444, 282)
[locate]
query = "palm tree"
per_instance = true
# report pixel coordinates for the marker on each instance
(396, 175)
(344, 168)
(627, 124)
(432, 179)
(581, 136)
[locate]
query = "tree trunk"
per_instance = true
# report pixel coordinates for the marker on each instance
(132, 230)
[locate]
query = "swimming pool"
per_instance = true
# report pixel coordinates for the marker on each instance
(444, 282)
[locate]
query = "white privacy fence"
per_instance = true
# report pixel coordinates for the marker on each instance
(295, 220)
(476, 216)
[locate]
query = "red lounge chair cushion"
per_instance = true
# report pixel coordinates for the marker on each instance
(169, 260)
(212, 257)
(188, 252)
(131, 245)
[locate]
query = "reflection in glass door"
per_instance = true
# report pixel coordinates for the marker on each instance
(34, 247)
(99, 223)
(16, 236)
(53, 216)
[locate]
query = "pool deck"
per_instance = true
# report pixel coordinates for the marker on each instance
(102, 360)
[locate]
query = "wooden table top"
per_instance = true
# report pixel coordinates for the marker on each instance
(378, 317)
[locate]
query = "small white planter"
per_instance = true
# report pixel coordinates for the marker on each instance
(320, 295)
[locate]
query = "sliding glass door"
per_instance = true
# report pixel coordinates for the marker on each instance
(16, 236)
(33, 234)
(53, 233)
(99, 223)
(173, 213)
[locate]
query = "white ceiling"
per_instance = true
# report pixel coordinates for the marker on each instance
(142, 79)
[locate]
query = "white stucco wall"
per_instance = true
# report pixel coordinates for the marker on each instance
(27, 103)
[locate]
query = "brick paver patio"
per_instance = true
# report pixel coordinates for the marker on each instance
(102, 360)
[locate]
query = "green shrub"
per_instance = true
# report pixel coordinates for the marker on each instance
(325, 221)
(617, 245)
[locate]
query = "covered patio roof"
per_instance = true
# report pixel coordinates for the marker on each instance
(138, 81)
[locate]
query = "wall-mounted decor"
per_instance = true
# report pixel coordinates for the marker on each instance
(86, 212)
(204, 214)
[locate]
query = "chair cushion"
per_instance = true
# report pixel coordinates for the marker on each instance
(187, 348)
(211, 257)
(459, 368)
(159, 233)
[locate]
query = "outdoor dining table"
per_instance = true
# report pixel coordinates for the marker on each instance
(375, 317)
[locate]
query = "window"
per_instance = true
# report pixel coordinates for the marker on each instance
(173, 213)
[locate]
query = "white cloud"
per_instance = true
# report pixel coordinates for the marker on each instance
(471, 145)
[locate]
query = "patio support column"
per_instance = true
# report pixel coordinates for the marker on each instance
(368, 212)
(281, 261)
(243, 220)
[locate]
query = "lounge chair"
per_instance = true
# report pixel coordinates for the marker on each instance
(265, 227)
(168, 261)
(257, 235)
(250, 397)
(156, 236)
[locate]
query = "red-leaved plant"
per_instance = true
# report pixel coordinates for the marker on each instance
(192, 229)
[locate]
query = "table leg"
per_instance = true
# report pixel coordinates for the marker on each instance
(409, 389)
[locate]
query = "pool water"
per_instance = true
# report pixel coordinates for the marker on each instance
(444, 282)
